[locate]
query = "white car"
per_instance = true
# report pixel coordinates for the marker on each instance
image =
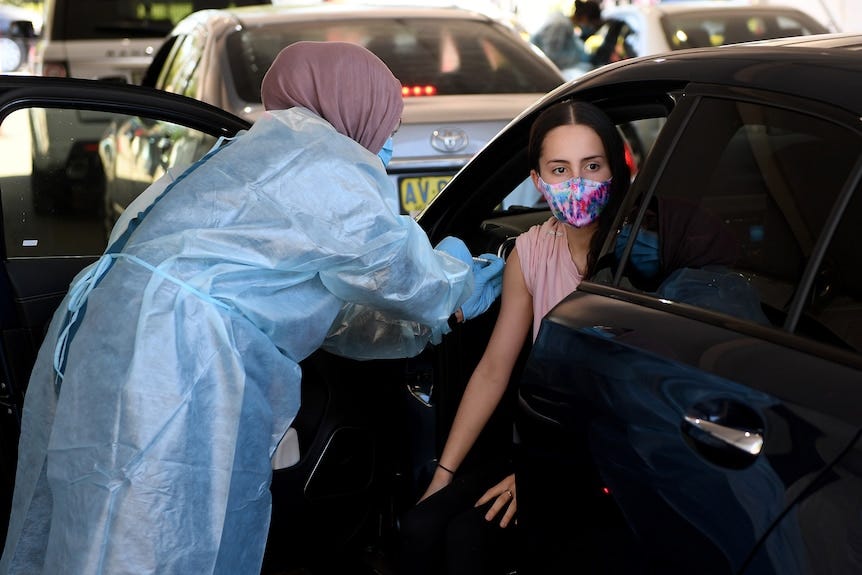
(465, 75)
(640, 30)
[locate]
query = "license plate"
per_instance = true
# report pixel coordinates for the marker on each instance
(416, 191)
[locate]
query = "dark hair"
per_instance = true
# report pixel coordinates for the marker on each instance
(588, 9)
(575, 113)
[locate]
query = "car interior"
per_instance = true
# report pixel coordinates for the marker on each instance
(755, 180)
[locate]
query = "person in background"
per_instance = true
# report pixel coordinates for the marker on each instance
(611, 45)
(557, 39)
(587, 18)
(579, 166)
(170, 372)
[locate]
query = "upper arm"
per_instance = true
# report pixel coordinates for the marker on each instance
(514, 320)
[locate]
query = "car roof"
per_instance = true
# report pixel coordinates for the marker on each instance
(315, 11)
(821, 67)
(850, 42)
(730, 6)
(455, 107)
(706, 9)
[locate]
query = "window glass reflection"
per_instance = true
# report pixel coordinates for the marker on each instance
(68, 174)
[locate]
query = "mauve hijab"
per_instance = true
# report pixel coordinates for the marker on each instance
(344, 83)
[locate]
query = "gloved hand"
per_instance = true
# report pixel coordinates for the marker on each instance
(455, 248)
(487, 285)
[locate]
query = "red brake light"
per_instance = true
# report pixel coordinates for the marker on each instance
(410, 91)
(630, 159)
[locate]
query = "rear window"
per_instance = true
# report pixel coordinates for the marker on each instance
(108, 19)
(699, 30)
(449, 56)
(740, 207)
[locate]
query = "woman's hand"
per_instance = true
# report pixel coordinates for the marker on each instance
(441, 479)
(503, 495)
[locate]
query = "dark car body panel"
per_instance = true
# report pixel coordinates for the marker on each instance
(626, 376)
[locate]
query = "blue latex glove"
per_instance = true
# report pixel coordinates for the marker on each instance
(487, 285)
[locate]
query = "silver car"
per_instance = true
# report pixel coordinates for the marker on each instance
(464, 75)
(639, 30)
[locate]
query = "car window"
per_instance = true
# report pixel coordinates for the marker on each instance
(698, 30)
(109, 19)
(437, 55)
(739, 208)
(62, 190)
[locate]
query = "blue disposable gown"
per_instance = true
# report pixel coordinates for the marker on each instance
(181, 373)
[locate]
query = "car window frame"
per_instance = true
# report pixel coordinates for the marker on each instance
(93, 95)
(644, 188)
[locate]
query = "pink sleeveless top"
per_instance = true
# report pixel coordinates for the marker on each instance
(549, 272)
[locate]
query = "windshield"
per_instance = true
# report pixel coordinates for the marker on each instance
(106, 19)
(698, 30)
(449, 56)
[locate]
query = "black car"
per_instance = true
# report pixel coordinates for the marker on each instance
(698, 418)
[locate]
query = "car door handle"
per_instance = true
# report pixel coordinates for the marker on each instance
(746, 440)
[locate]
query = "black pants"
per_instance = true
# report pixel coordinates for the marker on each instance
(447, 534)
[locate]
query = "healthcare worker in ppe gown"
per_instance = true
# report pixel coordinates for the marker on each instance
(170, 372)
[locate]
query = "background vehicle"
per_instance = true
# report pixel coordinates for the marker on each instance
(465, 76)
(640, 29)
(629, 395)
(109, 39)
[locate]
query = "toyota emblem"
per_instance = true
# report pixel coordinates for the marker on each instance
(449, 140)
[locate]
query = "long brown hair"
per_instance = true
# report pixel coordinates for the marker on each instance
(576, 113)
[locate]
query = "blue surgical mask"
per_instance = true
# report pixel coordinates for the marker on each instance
(385, 153)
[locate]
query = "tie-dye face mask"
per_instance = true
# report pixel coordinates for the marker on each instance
(577, 201)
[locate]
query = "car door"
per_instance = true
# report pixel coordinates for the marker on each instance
(714, 411)
(54, 219)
